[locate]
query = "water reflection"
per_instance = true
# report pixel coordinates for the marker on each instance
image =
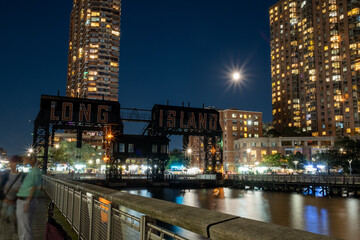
(337, 217)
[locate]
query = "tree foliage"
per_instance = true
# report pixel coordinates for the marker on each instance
(345, 149)
(299, 158)
(177, 157)
(68, 153)
(275, 160)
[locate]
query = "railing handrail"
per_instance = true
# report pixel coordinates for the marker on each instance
(208, 223)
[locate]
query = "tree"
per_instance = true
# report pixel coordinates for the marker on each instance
(275, 160)
(68, 153)
(345, 149)
(177, 157)
(293, 132)
(272, 133)
(299, 157)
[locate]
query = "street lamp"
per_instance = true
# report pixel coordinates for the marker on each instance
(189, 153)
(296, 162)
(350, 160)
(248, 153)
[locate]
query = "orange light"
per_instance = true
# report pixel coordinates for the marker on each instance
(106, 159)
(109, 136)
(213, 151)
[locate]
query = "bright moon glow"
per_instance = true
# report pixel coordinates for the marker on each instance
(236, 76)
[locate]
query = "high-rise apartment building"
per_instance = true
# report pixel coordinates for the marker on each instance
(93, 62)
(315, 64)
(234, 124)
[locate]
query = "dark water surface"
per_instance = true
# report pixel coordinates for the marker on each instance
(337, 217)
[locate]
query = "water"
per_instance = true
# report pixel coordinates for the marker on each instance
(337, 217)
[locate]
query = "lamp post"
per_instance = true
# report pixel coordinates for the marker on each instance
(296, 162)
(248, 152)
(350, 160)
(189, 153)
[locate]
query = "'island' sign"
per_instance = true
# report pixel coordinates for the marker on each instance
(172, 117)
(65, 109)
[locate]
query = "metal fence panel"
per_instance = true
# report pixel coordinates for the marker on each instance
(85, 218)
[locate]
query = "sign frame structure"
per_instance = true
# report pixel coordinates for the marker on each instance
(73, 114)
(188, 121)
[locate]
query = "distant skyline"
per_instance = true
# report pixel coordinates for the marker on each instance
(181, 51)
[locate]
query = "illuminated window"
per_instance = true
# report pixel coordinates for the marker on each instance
(116, 33)
(114, 64)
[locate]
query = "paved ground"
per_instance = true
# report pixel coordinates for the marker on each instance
(7, 230)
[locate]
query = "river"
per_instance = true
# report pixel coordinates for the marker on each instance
(337, 217)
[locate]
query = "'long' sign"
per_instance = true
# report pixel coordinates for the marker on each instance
(55, 108)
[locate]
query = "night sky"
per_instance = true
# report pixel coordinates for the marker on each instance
(177, 50)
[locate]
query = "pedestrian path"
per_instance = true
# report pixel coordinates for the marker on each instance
(8, 232)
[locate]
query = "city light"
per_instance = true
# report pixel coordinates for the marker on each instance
(57, 146)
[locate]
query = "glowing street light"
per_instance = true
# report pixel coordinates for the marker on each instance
(350, 160)
(296, 162)
(57, 146)
(189, 153)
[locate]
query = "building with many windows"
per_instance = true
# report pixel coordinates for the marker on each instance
(235, 124)
(315, 66)
(251, 151)
(93, 61)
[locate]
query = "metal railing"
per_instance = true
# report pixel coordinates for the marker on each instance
(297, 178)
(96, 212)
(93, 217)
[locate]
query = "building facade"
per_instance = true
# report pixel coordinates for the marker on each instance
(315, 66)
(93, 60)
(251, 152)
(235, 124)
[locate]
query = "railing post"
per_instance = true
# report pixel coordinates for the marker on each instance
(80, 209)
(109, 226)
(72, 208)
(67, 202)
(91, 216)
(143, 221)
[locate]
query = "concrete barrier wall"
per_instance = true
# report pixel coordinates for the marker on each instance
(208, 223)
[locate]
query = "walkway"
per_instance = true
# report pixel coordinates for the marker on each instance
(7, 230)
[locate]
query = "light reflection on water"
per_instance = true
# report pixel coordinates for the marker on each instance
(337, 217)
